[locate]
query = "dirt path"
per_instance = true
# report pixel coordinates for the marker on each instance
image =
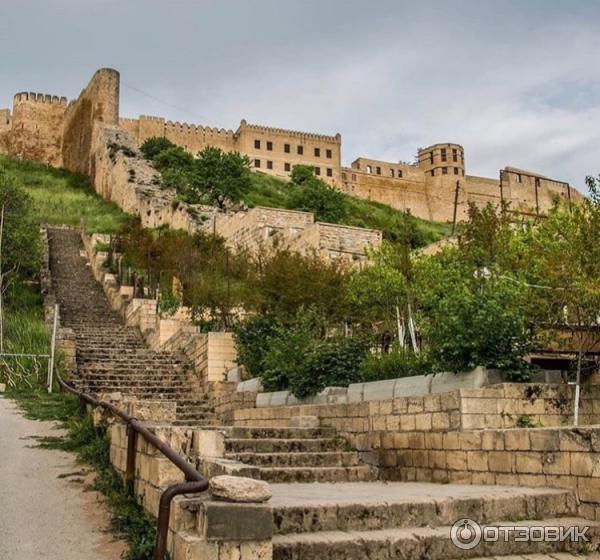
(44, 510)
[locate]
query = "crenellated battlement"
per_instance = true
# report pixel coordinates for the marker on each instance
(33, 97)
(294, 133)
(197, 128)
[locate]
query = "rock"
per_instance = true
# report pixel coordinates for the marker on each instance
(2, 387)
(239, 489)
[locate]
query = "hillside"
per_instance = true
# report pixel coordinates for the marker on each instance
(61, 197)
(395, 225)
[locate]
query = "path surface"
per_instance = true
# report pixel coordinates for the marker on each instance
(45, 512)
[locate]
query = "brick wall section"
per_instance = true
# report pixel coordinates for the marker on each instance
(550, 457)
(500, 406)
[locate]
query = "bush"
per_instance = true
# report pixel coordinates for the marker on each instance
(311, 194)
(252, 338)
(397, 363)
(153, 146)
(329, 363)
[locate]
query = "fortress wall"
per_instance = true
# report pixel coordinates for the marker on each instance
(5, 120)
(318, 150)
(407, 195)
(530, 193)
(97, 107)
(388, 169)
(194, 138)
(35, 129)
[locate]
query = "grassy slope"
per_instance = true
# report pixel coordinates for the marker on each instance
(66, 198)
(272, 192)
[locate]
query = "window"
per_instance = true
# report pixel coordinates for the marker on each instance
(378, 170)
(431, 158)
(454, 155)
(432, 172)
(317, 170)
(329, 172)
(257, 163)
(354, 176)
(286, 148)
(257, 144)
(519, 178)
(399, 173)
(287, 167)
(269, 165)
(300, 150)
(391, 172)
(444, 154)
(270, 146)
(328, 154)
(456, 170)
(317, 152)
(369, 169)
(444, 171)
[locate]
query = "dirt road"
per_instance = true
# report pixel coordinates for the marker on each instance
(45, 511)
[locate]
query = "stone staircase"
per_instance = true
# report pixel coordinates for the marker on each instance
(112, 357)
(295, 455)
(412, 521)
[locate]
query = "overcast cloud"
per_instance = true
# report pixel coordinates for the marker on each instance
(515, 82)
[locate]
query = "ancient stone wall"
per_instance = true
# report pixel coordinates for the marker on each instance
(85, 119)
(34, 131)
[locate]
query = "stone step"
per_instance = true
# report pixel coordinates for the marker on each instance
(430, 543)
(322, 459)
(394, 505)
(269, 445)
(361, 473)
(240, 432)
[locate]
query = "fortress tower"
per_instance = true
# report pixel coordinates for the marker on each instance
(36, 127)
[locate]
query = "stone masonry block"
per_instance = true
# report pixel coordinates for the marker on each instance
(227, 522)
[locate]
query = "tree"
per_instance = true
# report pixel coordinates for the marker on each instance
(19, 239)
(311, 194)
(153, 146)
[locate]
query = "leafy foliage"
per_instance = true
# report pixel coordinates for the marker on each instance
(399, 362)
(153, 146)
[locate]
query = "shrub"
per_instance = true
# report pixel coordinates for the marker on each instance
(252, 337)
(311, 194)
(397, 363)
(329, 363)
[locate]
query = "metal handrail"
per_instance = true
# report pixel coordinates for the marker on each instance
(195, 482)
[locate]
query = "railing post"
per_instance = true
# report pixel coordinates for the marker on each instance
(50, 379)
(131, 449)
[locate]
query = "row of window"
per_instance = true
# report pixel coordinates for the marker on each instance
(287, 167)
(444, 155)
(287, 148)
(392, 172)
(445, 171)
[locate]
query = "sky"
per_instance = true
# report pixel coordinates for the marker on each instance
(515, 82)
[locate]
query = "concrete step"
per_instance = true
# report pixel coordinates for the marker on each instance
(371, 506)
(430, 543)
(304, 445)
(321, 459)
(360, 473)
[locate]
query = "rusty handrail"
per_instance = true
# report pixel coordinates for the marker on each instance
(195, 482)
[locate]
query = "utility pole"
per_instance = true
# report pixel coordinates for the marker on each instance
(455, 206)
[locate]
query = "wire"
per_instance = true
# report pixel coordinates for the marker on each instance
(167, 104)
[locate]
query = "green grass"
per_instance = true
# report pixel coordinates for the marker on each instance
(61, 197)
(394, 224)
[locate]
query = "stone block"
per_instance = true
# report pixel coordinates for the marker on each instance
(251, 385)
(208, 443)
(379, 390)
(446, 382)
(355, 392)
(229, 522)
(304, 422)
(517, 440)
(556, 463)
(544, 440)
(501, 461)
(477, 460)
(187, 546)
(416, 385)
(582, 465)
(529, 463)
(239, 489)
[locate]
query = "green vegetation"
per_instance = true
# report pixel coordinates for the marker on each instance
(215, 177)
(61, 197)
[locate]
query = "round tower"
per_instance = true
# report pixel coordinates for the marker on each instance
(446, 161)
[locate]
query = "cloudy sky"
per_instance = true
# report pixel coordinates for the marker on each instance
(516, 82)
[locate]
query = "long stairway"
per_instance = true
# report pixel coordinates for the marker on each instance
(110, 355)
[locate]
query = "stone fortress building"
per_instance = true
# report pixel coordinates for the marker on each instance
(435, 187)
